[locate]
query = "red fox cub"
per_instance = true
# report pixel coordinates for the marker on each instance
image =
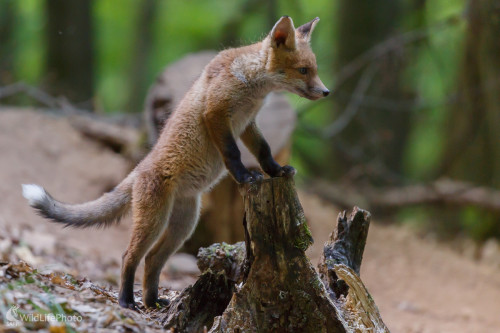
(198, 141)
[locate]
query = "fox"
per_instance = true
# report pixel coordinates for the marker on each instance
(196, 148)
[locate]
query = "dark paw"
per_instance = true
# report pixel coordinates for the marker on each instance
(284, 171)
(162, 302)
(288, 171)
(128, 305)
(158, 303)
(273, 169)
(251, 177)
(256, 175)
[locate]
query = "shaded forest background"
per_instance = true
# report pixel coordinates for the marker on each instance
(415, 83)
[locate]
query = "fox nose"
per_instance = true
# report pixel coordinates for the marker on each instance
(326, 92)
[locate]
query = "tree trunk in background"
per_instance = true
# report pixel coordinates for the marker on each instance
(142, 50)
(70, 49)
(7, 17)
(378, 135)
(231, 35)
(473, 149)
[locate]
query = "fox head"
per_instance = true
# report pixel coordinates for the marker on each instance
(292, 63)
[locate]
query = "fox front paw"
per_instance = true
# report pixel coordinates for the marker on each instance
(128, 304)
(157, 303)
(282, 171)
(286, 171)
(250, 177)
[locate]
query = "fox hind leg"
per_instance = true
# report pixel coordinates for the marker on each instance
(181, 225)
(152, 202)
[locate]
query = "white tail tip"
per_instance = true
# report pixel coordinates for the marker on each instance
(33, 193)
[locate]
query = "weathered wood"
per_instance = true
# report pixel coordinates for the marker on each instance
(339, 270)
(282, 292)
(267, 284)
(227, 258)
(346, 246)
(195, 308)
(358, 309)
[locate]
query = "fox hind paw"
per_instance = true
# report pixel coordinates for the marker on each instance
(129, 305)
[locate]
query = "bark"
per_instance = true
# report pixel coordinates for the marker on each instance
(195, 308)
(282, 292)
(7, 24)
(472, 146)
(224, 257)
(474, 121)
(339, 270)
(267, 284)
(347, 243)
(142, 49)
(70, 51)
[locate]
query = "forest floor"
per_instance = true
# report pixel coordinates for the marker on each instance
(419, 284)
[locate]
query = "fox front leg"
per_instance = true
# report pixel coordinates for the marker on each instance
(254, 140)
(219, 127)
(232, 160)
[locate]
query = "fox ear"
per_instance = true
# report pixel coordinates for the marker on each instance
(283, 33)
(304, 31)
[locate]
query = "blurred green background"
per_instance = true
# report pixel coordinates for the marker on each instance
(415, 82)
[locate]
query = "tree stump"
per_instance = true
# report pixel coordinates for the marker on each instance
(282, 292)
(340, 268)
(272, 284)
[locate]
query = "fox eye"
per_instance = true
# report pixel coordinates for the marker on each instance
(302, 70)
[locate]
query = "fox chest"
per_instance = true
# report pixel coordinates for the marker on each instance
(243, 113)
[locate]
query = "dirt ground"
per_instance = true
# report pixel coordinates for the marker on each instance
(418, 284)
